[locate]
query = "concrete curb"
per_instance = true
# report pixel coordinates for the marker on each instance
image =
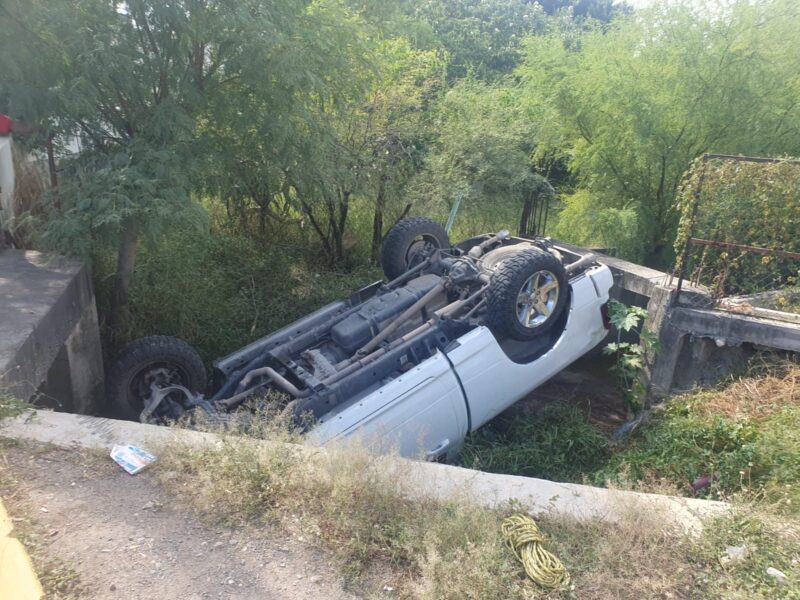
(428, 480)
(18, 580)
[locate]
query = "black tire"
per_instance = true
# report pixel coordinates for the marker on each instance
(408, 242)
(506, 286)
(143, 357)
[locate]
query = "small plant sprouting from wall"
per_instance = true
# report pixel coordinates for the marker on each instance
(630, 357)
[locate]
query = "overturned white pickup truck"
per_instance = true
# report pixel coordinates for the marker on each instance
(456, 336)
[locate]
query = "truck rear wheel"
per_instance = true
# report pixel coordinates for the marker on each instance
(409, 242)
(159, 359)
(526, 295)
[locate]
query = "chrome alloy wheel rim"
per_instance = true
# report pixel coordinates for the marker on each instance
(537, 299)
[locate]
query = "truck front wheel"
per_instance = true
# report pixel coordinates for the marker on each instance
(158, 360)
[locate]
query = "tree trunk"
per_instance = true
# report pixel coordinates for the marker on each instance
(326, 242)
(51, 167)
(262, 217)
(333, 232)
(337, 208)
(126, 260)
(377, 221)
(344, 207)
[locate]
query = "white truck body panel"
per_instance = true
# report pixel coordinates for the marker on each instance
(421, 411)
(428, 411)
(492, 381)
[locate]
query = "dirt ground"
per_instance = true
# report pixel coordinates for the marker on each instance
(96, 532)
(99, 533)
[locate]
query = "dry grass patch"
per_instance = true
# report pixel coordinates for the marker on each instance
(358, 507)
(770, 540)
(768, 388)
(638, 557)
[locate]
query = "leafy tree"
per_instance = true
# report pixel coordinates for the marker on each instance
(272, 142)
(135, 80)
(601, 10)
(394, 128)
(482, 39)
(363, 145)
(483, 153)
(631, 105)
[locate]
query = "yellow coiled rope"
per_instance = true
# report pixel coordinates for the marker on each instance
(525, 540)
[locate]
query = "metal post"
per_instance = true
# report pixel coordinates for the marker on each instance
(452, 218)
(685, 252)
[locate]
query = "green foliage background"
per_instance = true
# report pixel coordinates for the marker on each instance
(740, 202)
(233, 146)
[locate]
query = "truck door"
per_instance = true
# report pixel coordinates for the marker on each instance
(421, 414)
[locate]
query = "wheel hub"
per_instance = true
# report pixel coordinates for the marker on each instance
(154, 385)
(537, 299)
(419, 250)
(157, 377)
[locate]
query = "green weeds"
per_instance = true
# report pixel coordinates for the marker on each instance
(558, 444)
(630, 357)
(743, 438)
(11, 406)
(219, 292)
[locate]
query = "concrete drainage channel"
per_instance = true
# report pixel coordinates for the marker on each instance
(50, 348)
(429, 480)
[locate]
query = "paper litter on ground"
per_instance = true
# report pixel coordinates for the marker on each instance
(131, 458)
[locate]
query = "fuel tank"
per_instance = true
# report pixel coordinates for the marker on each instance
(360, 327)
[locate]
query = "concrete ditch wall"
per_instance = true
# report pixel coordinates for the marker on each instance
(698, 346)
(49, 335)
(426, 480)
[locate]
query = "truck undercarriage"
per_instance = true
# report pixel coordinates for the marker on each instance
(437, 293)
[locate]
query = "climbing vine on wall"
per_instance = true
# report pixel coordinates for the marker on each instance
(740, 202)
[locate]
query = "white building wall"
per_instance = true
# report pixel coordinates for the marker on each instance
(6, 180)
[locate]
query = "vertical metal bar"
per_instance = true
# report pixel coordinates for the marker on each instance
(546, 210)
(539, 214)
(525, 217)
(453, 211)
(685, 253)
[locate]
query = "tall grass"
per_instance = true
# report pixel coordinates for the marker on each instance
(744, 437)
(221, 291)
